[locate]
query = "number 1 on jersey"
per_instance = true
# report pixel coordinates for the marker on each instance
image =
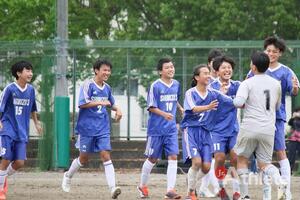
(267, 93)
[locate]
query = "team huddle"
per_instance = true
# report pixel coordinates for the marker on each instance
(210, 127)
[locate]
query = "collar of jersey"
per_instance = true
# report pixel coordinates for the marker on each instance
(21, 89)
(274, 69)
(218, 79)
(101, 88)
(202, 97)
(168, 85)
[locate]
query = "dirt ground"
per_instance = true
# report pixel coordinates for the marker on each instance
(92, 185)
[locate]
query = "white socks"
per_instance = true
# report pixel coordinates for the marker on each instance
(3, 175)
(285, 170)
(272, 172)
(192, 178)
(110, 174)
(74, 167)
(244, 181)
(146, 170)
(171, 174)
(10, 170)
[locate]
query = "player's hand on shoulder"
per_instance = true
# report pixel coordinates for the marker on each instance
(168, 116)
(213, 105)
(1, 126)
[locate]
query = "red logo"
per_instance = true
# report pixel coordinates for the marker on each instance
(221, 172)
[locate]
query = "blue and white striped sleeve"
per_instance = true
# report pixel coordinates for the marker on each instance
(3, 98)
(189, 103)
(84, 96)
(152, 97)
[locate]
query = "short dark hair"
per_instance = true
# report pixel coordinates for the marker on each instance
(260, 60)
(196, 72)
(19, 67)
(220, 59)
(213, 54)
(277, 42)
(101, 62)
(161, 62)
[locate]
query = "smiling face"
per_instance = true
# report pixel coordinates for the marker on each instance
(203, 77)
(168, 71)
(103, 72)
(225, 71)
(25, 75)
(273, 53)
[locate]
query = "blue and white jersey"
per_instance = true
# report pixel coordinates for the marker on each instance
(227, 124)
(165, 98)
(283, 74)
(206, 119)
(93, 121)
(16, 105)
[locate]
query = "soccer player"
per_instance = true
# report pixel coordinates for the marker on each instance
(17, 103)
(210, 177)
(201, 106)
(93, 125)
(225, 131)
(210, 60)
(260, 96)
(274, 48)
(162, 133)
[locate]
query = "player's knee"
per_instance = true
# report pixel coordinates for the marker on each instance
(105, 156)
(219, 160)
(197, 165)
(152, 160)
(233, 161)
(18, 164)
(281, 155)
(205, 169)
(83, 160)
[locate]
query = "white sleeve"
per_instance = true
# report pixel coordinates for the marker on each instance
(241, 95)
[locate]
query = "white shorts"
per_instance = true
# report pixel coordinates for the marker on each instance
(260, 143)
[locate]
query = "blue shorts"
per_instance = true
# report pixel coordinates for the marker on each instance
(196, 142)
(222, 143)
(155, 145)
(11, 149)
(279, 141)
(93, 144)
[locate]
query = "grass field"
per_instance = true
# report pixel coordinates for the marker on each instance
(92, 185)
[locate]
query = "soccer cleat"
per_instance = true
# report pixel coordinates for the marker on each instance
(143, 191)
(171, 194)
(223, 194)
(205, 192)
(246, 197)
(115, 192)
(66, 183)
(191, 196)
(282, 191)
(2, 195)
(236, 196)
